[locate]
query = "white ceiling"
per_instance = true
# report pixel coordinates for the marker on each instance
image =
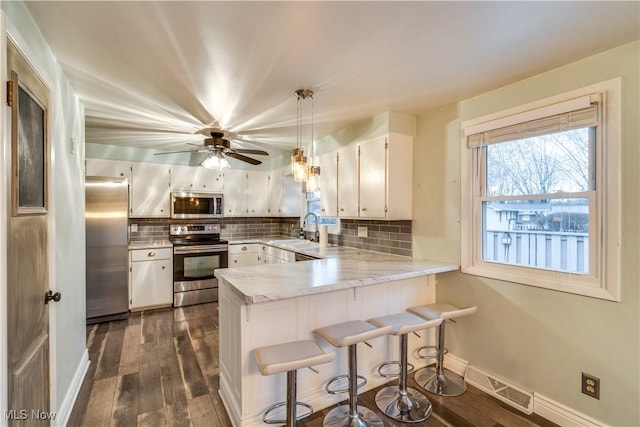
(151, 73)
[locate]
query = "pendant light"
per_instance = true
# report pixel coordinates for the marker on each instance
(301, 172)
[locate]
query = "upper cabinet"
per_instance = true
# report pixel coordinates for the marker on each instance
(257, 193)
(276, 192)
(109, 168)
(149, 190)
(328, 163)
(347, 181)
(195, 179)
(369, 179)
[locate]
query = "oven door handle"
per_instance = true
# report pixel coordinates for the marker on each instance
(198, 249)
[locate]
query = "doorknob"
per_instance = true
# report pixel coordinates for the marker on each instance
(50, 296)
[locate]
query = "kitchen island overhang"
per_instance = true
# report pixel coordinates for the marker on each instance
(272, 304)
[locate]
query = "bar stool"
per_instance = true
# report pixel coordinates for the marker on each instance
(289, 357)
(349, 334)
(400, 402)
(438, 380)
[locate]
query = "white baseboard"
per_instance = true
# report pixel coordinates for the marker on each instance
(543, 406)
(561, 414)
(455, 364)
(64, 411)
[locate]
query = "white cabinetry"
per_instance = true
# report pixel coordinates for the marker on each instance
(347, 181)
(328, 163)
(246, 193)
(235, 182)
(151, 278)
(109, 168)
(209, 180)
(373, 179)
(195, 179)
(276, 192)
(292, 196)
(243, 254)
(150, 183)
(272, 255)
(257, 193)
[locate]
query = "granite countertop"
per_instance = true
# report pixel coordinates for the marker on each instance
(150, 243)
(340, 267)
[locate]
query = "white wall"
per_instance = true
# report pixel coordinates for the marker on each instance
(66, 186)
(538, 339)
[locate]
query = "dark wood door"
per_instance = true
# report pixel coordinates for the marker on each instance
(28, 247)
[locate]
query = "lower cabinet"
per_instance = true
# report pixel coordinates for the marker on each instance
(243, 254)
(151, 278)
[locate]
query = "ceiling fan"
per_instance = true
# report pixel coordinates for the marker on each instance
(218, 148)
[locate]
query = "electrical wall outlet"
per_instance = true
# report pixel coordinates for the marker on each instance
(591, 385)
(362, 232)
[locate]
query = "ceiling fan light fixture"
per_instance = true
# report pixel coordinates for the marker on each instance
(215, 161)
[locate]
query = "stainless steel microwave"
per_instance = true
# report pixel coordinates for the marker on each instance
(196, 205)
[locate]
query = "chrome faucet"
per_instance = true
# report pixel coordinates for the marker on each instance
(316, 234)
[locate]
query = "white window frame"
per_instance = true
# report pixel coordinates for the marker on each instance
(331, 228)
(603, 280)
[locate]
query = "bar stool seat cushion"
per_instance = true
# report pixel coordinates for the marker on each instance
(290, 356)
(442, 310)
(405, 323)
(351, 332)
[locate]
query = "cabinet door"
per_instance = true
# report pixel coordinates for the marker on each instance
(275, 192)
(348, 181)
(257, 193)
(328, 184)
(292, 196)
(373, 178)
(151, 283)
(235, 184)
(183, 178)
(150, 190)
(209, 180)
(108, 168)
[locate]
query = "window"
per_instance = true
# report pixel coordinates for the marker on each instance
(542, 184)
(313, 205)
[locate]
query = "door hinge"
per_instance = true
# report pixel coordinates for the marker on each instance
(386, 144)
(385, 209)
(10, 93)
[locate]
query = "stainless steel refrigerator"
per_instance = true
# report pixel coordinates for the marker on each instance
(106, 209)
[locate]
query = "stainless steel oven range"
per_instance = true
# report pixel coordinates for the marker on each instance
(197, 252)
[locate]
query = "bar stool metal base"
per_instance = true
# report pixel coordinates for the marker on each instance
(409, 407)
(445, 384)
(341, 417)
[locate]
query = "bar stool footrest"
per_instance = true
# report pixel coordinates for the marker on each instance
(267, 420)
(381, 372)
(335, 379)
(433, 352)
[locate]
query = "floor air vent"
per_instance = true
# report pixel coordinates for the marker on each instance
(519, 399)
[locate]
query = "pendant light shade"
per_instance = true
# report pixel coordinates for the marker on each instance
(313, 178)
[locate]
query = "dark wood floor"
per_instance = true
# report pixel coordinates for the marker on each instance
(160, 367)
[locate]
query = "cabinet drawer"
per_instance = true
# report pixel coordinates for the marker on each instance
(151, 254)
(243, 248)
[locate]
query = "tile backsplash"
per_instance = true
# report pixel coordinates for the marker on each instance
(391, 237)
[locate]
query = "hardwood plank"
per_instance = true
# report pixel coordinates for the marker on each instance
(125, 407)
(155, 418)
(129, 357)
(206, 350)
(109, 363)
(150, 392)
(101, 402)
(191, 373)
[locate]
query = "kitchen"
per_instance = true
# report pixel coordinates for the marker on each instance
(499, 339)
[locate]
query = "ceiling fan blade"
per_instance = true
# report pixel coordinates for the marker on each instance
(250, 151)
(243, 158)
(181, 151)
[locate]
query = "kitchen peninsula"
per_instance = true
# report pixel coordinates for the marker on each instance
(275, 303)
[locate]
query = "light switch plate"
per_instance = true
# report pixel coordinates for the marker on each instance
(362, 232)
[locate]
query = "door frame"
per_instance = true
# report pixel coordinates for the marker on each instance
(9, 32)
